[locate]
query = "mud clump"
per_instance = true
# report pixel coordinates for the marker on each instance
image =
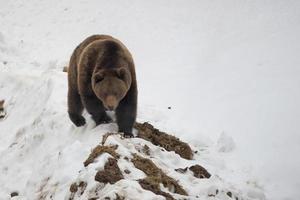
(152, 184)
(105, 136)
(98, 150)
(77, 187)
(111, 173)
(168, 142)
(146, 165)
(198, 171)
(155, 177)
(74, 187)
(146, 150)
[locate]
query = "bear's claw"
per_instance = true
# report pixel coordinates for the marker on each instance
(77, 120)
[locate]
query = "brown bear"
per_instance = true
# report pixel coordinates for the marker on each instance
(101, 76)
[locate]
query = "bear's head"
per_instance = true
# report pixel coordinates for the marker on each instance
(111, 86)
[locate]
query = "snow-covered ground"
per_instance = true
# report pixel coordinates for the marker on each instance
(229, 70)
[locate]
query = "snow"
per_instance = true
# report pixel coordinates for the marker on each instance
(229, 70)
(225, 143)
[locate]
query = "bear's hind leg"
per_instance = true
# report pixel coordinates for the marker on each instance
(95, 107)
(75, 108)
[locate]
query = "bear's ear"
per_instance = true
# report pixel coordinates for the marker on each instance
(121, 73)
(98, 77)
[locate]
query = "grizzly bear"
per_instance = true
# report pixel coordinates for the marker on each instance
(101, 77)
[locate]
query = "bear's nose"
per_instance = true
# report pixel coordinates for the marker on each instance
(110, 108)
(111, 103)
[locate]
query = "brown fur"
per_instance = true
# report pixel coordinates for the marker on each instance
(101, 76)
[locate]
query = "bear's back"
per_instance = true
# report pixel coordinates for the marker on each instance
(104, 52)
(79, 49)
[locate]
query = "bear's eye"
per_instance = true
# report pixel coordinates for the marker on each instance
(121, 73)
(98, 79)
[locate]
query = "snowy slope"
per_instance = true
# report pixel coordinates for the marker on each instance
(42, 153)
(229, 70)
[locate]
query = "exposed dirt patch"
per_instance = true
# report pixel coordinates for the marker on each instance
(152, 184)
(198, 171)
(74, 187)
(169, 142)
(155, 177)
(98, 150)
(77, 188)
(111, 173)
(105, 136)
(146, 165)
(146, 150)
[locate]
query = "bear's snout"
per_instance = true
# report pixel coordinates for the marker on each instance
(111, 102)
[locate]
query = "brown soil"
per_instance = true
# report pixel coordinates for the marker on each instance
(146, 150)
(169, 142)
(152, 184)
(198, 171)
(155, 177)
(146, 165)
(74, 187)
(77, 187)
(111, 173)
(98, 150)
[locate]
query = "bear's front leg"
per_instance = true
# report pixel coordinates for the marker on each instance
(75, 108)
(95, 107)
(126, 114)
